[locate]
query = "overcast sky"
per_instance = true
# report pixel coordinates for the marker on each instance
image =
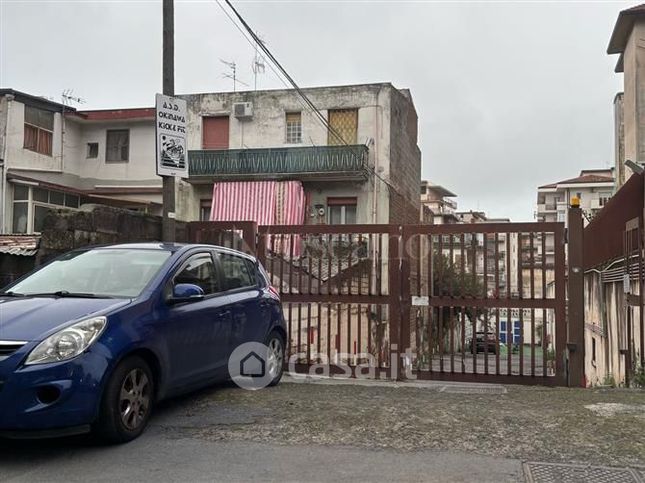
(509, 95)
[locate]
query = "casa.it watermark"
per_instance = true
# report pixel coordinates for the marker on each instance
(249, 365)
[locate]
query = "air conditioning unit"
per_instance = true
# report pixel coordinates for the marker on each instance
(243, 110)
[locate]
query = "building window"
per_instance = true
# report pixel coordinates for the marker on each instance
(344, 126)
(342, 211)
(39, 129)
(30, 205)
(92, 150)
(117, 145)
(205, 210)
(293, 128)
(603, 198)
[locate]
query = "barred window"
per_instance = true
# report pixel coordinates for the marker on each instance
(294, 127)
(344, 124)
(117, 146)
(39, 128)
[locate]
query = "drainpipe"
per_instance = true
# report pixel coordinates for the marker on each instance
(3, 181)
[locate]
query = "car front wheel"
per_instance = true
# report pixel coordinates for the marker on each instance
(127, 401)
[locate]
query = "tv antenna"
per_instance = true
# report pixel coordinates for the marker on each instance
(232, 74)
(259, 64)
(68, 97)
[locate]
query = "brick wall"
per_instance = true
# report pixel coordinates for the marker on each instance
(405, 160)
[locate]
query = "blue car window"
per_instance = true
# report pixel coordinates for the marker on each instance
(116, 272)
(199, 270)
(236, 272)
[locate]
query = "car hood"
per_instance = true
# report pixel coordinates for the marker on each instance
(31, 318)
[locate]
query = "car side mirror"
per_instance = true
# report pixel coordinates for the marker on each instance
(186, 292)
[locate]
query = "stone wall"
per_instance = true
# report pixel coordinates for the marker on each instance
(64, 230)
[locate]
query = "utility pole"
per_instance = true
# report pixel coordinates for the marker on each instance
(168, 191)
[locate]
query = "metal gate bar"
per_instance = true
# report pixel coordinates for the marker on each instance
(458, 322)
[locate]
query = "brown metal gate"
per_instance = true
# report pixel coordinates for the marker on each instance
(340, 292)
(486, 302)
(414, 301)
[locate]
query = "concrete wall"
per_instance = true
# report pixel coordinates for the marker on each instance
(19, 157)
(606, 324)
(141, 162)
(267, 127)
(619, 141)
(634, 95)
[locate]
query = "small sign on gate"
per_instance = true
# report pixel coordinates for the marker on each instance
(422, 301)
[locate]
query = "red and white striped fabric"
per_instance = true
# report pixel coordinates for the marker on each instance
(290, 203)
(265, 202)
(244, 201)
(290, 210)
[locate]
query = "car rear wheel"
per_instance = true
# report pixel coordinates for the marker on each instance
(127, 402)
(275, 357)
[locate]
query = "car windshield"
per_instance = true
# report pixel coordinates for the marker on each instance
(114, 272)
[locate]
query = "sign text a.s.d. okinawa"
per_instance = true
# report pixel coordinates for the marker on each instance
(170, 132)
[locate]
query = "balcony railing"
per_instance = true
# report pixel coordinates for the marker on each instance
(311, 162)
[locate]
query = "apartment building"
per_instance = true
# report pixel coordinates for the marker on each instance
(629, 106)
(593, 187)
(439, 202)
(360, 166)
(54, 156)
(365, 168)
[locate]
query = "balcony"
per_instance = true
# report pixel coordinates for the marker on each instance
(546, 207)
(304, 163)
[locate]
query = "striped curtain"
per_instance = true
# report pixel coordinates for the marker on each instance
(266, 203)
(290, 210)
(244, 201)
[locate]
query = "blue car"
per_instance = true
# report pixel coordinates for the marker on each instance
(92, 340)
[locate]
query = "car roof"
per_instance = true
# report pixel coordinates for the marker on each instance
(171, 247)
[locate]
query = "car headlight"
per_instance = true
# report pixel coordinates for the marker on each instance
(68, 342)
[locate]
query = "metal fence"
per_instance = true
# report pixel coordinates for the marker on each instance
(476, 302)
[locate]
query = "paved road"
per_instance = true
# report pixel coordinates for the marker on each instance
(157, 458)
(358, 430)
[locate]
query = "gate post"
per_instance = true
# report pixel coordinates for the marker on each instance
(394, 290)
(576, 312)
(405, 294)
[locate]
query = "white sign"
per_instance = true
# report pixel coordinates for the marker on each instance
(423, 301)
(170, 131)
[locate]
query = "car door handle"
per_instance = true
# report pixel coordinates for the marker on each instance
(224, 313)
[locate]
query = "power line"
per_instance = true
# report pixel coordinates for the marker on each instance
(293, 83)
(254, 46)
(311, 106)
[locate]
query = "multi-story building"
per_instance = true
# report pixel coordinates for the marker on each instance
(362, 165)
(629, 107)
(593, 187)
(438, 200)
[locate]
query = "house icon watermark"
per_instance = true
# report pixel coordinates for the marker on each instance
(252, 365)
(247, 366)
